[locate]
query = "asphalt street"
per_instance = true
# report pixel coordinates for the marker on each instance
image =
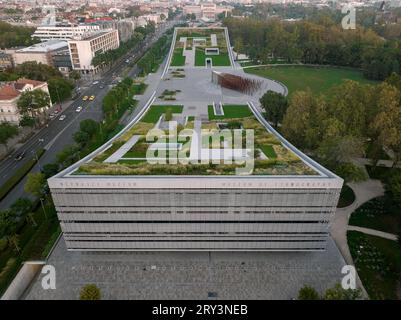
(59, 133)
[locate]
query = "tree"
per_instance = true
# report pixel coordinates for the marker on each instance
(68, 155)
(74, 75)
(90, 292)
(336, 150)
(89, 126)
(338, 293)
(81, 137)
(308, 293)
(37, 71)
(350, 172)
(27, 121)
(8, 223)
(275, 106)
(387, 123)
(33, 102)
(50, 169)
(36, 184)
(393, 187)
(59, 89)
(7, 131)
(303, 121)
(21, 207)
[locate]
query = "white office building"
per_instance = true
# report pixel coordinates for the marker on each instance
(83, 49)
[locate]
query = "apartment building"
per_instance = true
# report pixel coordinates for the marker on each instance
(64, 32)
(83, 49)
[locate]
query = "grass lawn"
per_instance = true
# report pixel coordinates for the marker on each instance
(154, 113)
(231, 111)
(268, 150)
(318, 80)
(220, 60)
(347, 197)
(378, 262)
(378, 213)
(178, 59)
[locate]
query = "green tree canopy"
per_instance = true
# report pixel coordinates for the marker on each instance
(36, 184)
(275, 106)
(308, 293)
(7, 131)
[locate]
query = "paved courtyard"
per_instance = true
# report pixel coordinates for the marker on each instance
(190, 275)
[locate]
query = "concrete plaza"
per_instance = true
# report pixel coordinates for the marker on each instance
(190, 275)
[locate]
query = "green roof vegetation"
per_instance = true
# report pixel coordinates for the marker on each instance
(221, 59)
(230, 111)
(154, 113)
(318, 80)
(178, 59)
(218, 60)
(279, 161)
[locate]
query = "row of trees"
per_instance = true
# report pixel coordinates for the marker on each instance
(315, 43)
(60, 88)
(154, 56)
(14, 36)
(334, 293)
(338, 127)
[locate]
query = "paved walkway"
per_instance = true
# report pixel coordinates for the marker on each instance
(190, 275)
(364, 191)
(374, 232)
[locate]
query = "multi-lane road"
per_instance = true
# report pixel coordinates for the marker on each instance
(58, 134)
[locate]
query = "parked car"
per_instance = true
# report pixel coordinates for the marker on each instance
(95, 82)
(62, 117)
(85, 98)
(92, 98)
(52, 115)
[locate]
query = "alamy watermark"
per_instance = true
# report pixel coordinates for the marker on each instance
(202, 146)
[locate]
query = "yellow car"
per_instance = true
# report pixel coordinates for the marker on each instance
(85, 98)
(92, 98)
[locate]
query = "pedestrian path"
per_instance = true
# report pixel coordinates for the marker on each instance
(373, 232)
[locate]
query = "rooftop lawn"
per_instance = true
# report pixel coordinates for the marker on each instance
(318, 80)
(178, 59)
(378, 263)
(220, 60)
(231, 111)
(155, 111)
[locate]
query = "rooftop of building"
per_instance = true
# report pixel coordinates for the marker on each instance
(92, 35)
(44, 47)
(197, 121)
(11, 90)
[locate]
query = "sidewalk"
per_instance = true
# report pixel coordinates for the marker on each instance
(374, 232)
